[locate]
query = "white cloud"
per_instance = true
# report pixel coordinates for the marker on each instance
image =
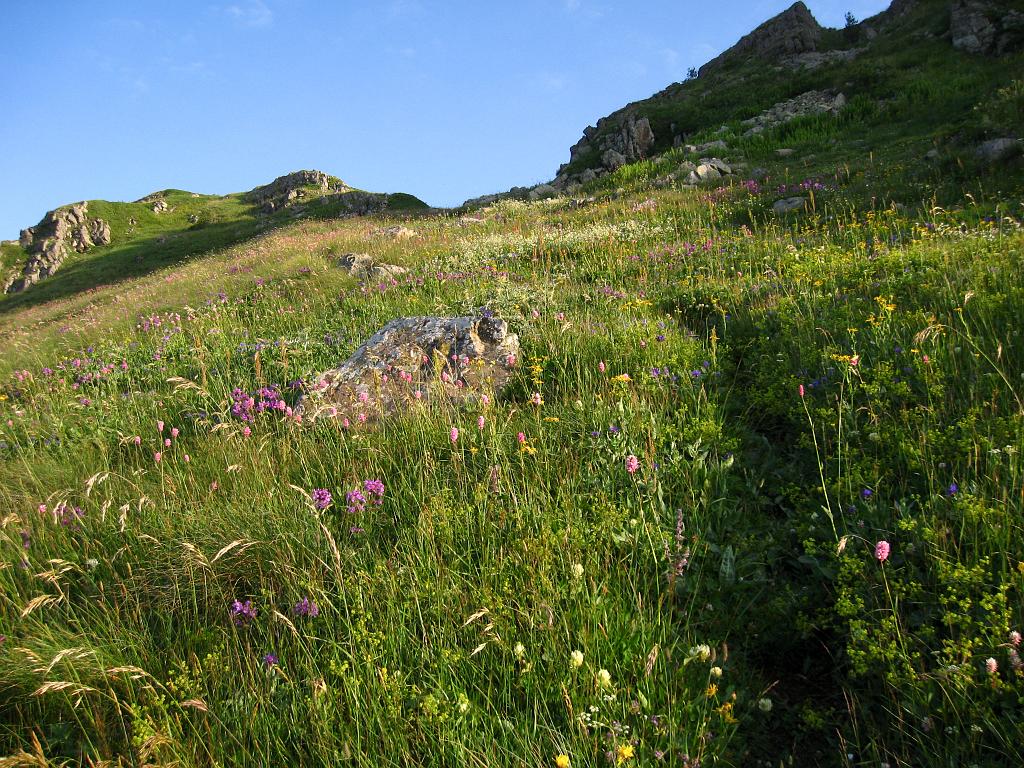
(253, 13)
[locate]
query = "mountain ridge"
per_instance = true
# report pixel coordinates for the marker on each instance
(70, 229)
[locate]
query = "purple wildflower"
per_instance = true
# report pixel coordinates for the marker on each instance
(306, 608)
(242, 613)
(321, 498)
(356, 501)
(270, 660)
(375, 490)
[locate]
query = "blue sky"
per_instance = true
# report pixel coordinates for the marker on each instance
(449, 100)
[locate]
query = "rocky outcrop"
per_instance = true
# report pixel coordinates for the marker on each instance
(631, 142)
(287, 190)
(815, 59)
(985, 26)
(412, 359)
(809, 103)
(794, 31)
(51, 240)
(362, 266)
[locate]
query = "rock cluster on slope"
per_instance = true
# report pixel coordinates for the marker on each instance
(412, 359)
(809, 103)
(286, 190)
(50, 241)
(985, 26)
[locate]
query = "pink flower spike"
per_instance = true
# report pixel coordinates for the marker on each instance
(157, 456)
(1015, 639)
(882, 550)
(246, 431)
(160, 426)
(42, 509)
(632, 464)
(801, 390)
(991, 665)
(167, 443)
(454, 434)
(601, 366)
(521, 437)
(174, 432)
(137, 440)
(480, 422)
(187, 459)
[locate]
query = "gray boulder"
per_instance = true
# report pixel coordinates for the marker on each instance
(412, 359)
(788, 204)
(707, 172)
(363, 266)
(998, 150)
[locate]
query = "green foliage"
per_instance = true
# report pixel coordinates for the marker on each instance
(793, 392)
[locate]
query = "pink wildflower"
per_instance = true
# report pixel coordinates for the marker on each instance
(174, 432)
(882, 550)
(800, 389)
(246, 431)
(454, 434)
(167, 442)
(521, 438)
(601, 366)
(160, 426)
(137, 440)
(480, 422)
(1015, 638)
(991, 665)
(632, 464)
(157, 456)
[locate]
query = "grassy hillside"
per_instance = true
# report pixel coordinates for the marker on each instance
(908, 76)
(194, 225)
(753, 496)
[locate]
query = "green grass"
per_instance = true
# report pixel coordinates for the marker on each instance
(794, 390)
(195, 225)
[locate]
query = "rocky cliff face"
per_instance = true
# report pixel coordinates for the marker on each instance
(792, 32)
(986, 26)
(50, 241)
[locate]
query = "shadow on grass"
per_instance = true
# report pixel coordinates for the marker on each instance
(135, 259)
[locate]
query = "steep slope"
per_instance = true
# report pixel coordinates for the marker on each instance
(879, 63)
(79, 246)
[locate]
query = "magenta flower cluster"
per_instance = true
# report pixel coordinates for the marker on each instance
(248, 406)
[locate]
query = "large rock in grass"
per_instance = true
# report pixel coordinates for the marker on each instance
(999, 150)
(362, 266)
(788, 204)
(413, 359)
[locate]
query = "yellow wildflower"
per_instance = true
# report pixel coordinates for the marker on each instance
(562, 761)
(622, 377)
(624, 753)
